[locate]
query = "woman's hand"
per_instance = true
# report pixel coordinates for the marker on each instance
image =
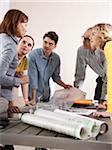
(102, 105)
(102, 114)
(12, 108)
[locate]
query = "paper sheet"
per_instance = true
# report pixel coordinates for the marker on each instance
(62, 99)
(82, 111)
(66, 97)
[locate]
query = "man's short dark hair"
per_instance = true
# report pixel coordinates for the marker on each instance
(52, 35)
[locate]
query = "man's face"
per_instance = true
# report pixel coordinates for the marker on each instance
(86, 39)
(48, 46)
(86, 43)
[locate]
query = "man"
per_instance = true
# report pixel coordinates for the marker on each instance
(96, 61)
(43, 65)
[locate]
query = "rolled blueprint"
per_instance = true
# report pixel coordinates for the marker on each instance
(98, 127)
(60, 126)
(88, 126)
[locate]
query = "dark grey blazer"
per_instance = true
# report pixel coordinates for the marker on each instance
(8, 64)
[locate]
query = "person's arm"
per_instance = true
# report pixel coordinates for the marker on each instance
(8, 60)
(61, 83)
(104, 85)
(33, 96)
(103, 98)
(8, 54)
(22, 70)
(11, 107)
(104, 90)
(80, 70)
(33, 77)
(24, 89)
(56, 76)
(102, 114)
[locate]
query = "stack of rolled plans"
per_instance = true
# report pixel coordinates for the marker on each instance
(64, 122)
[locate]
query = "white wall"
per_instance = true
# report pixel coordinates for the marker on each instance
(69, 20)
(4, 6)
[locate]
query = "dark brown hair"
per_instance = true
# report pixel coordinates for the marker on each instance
(30, 38)
(11, 20)
(52, 35)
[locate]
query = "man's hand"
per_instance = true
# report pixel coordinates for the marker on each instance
(67, 86)
(102, 114)
(32, 102)
(27, 102)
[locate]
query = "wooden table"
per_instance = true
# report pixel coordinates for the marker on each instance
(18, 133)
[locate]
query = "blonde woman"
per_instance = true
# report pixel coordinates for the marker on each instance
(101, 38)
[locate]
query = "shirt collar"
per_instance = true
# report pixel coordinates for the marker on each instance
(15, 39)
(97, 51)
(44, 57)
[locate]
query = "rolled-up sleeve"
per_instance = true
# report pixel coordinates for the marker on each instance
(32, 72)
(80, 70)
(56, 74)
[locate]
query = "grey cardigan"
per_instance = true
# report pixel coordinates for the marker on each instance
(8, 63)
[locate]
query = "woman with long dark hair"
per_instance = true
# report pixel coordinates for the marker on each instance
(12, 27)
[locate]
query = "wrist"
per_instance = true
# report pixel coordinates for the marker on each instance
(10, 103)
(26, 99)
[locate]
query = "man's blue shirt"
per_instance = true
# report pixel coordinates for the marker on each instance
(41, 69)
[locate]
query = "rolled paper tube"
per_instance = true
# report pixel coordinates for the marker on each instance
(83, 102)
(54, 125)
(108, 55)
(60, 117)
(99, 126)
